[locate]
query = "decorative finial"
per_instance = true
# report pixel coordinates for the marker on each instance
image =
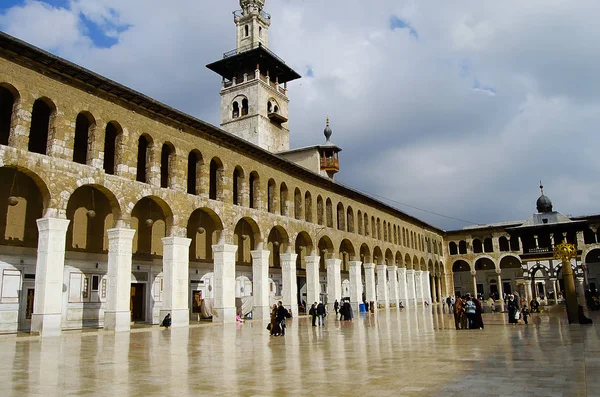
(327, 121)
(327, 132)
(542, 188)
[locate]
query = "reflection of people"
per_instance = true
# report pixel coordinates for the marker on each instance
(197, 302)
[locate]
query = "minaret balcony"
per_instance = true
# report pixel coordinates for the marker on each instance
(239, 14)
(277, 118)
(330, 164)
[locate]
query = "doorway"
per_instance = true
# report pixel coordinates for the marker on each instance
(26, 304)
(137, 302)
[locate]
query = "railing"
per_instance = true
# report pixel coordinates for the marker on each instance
(251, 47)
(541, 250)
(330, 163)
(240, 13)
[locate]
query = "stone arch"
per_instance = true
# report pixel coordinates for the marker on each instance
(341, 216)
(113, 147)
(416, 264)
(378, 257)
(308, 211)
(385, 231)
(303, 247)
(271, 196)
(167, 165)
(85, 133)
(254, 195)
(462, 247)
(298, 210)
(152, 219)
(273, 106)
(320, 211)
(378, 229)
(145, 158)
(239, 185)
(484, 262)
(399, 262)
(350, 220)
(194, 173)
(43, 116)
(329, 212)
(277, 242)
(347, 253)
(24, 197)
(461, 266)
(423, 265)
(205, 229)
(216, 182)
(408, 262)
(365, 253)
(10, 100)
(389, 257)
(359, 224)
(366, 224)
(247, 237)
(430, 267)
(325, 247)
(284, 208)
(477, 246)
(373, 228)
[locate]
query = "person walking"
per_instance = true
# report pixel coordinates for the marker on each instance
(336, 306)
(478, 311)
(458, 312)
(470, 310)
(513, 307)
(313, 313)
(282, 314)
(275, 329)
(449, 302)
(525, 314)
(321, 313)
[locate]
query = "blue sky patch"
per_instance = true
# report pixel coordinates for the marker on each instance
(397, 23)
(310, 72)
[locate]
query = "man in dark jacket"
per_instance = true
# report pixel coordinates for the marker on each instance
(321, 312)
(282, 313)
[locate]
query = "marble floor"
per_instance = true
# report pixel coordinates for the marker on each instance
(392, 353)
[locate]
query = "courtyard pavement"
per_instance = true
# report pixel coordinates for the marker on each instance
(391, 353)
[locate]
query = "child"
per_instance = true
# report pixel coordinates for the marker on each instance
(525, 314)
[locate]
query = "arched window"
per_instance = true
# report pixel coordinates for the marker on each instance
(373, 228)
(453, 248)
(112, 133)
(503, 243)
(385, 234)
(7, 104)
(366, 220)
(359, 225)
(167, 155)
(462, 247)
(477, 246)
(329, 212)
(341, 215)
(144, 158)
(269, 107)
(488, 245)
(514, 243)
(320, 211)
(254, 190)
(246, 31)
(244, 107)
(84, 126)
(260, 32)
(236, 110)
(283, 200)
(41, 122)
(215, 191)
(308, 207)
(298, 210)
(271, 203)
(237, 186)
(350, 220)
(378, 229)
(194, 172)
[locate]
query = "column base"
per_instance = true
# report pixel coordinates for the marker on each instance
(225, 315)
(294, 310)
(46, 325)
(117, 321)
(261, 313)
(179, 317)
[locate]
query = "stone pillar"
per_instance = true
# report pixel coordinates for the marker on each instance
(382, 286)
(290, 282)
(438, 287)
(418, 287)
(555, 288)
(500, 289)
(117, 316)
(224, 283)
(411, 293)
(393, 283)
(334, 282)
(528, 293)
(426, 286)
(176, 276)
(370, 282)
(402, 288)
(579, 283)
(49, 269)
(260, 284)
(355, 284)
(474, 278)
(313, 285)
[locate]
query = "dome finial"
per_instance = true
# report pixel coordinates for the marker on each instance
(542, 188)
(543, 204)
(327, 132)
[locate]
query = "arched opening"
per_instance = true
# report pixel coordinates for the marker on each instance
(359, 224)
(112, 135)
(271, 200)
(347, 254)
(329, 212)
(389, 257)
(308, 207)
(283, 200)
(395, 234)
(366, 220)
(151, 218)
(246, 31)
(320, 211)
(453, 248)
(378, 257)
(244, 107)
(298, 210)
(503, 244)
(462, 247)
(194, 173)
(84, 133)
(42, 120)
(216, 180)
(385, 231)
(373, 228)
(269, 107)
(204, 228)
(488, 246)
(589, 237)
(365, 254)
(398, 260)
(235, 113)
(463, 280)
(144, 158)
(350, 220)
(91, 213)
(238, 185)
(7, 105)
(303, 248)
(277, 243)
(254, 190)
(486, 271)
(510, 271)
(341, 216)
(378, 229)
(167, 159)
(325, 247)
(21, 204)
(592, 263)
(246, 236)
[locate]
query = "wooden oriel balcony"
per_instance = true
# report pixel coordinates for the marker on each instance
(330, 164)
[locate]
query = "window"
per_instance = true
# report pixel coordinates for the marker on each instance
(95, 282)
(236, 110)
(7, 102)
(246, 31)
(244, 107)
(83, 126)
(110, 148)
(41, 116)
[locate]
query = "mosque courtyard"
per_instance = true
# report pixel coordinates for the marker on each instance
(391, 353)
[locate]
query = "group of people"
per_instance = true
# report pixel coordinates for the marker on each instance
(278, 316)
(318, 311)
(343, 309)
(467, 312)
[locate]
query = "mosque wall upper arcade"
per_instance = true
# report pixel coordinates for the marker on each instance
(161, 164)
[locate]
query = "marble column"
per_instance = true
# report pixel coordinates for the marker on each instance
(418, 287)
(334, 282)
(382, 286)
(579, 284)
(49, 271)
(402, 288)
(438, 287)
(426, 286)
(370, 282)
(176, 276)
(528, 293)
(474, 276)
(313, 285)
(260, 284)
(555, 288)
(355, 284)
(224, 283)
(290, 282)
(117, 316)
(500, 290)
(411, 292)
(393, 283)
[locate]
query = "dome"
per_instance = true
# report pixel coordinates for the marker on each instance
(543, 204)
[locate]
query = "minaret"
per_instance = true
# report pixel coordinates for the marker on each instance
(254, 102)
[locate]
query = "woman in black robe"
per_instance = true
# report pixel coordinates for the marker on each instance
(478, 321)
(275, 329)
(513, 306)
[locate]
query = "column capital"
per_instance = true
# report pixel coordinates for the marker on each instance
(498, 272)
(393, 268)
(312, 259)
(54, 224)
(120, 233)
(410, 271)
(369, 266)
(288, 257)
(224, 248)
(473, 273)
(174, 240)
(381, 266)
(260, 254)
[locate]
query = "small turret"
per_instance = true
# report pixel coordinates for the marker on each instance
(330, 162)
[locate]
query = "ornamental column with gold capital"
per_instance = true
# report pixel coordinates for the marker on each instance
(565, 252)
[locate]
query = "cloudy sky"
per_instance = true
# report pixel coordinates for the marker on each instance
(456, 107)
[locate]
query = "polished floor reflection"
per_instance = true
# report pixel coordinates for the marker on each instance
(415, 352)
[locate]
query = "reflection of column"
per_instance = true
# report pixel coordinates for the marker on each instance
(117, 316)
(355, 284)
(334, 282)
(313, 287)
(411, 293)
(438, 287)
(49, 268)
(393, 282)
(382, 287)
(500, 288)
(528, 293)
(474, 275)
(580, 291)
(224, 282)
(402, 288)
(555, 289)
(370, 282)
(418, 287)
(289, 282)
(260, 284)
(176, 254)
(426, 286)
